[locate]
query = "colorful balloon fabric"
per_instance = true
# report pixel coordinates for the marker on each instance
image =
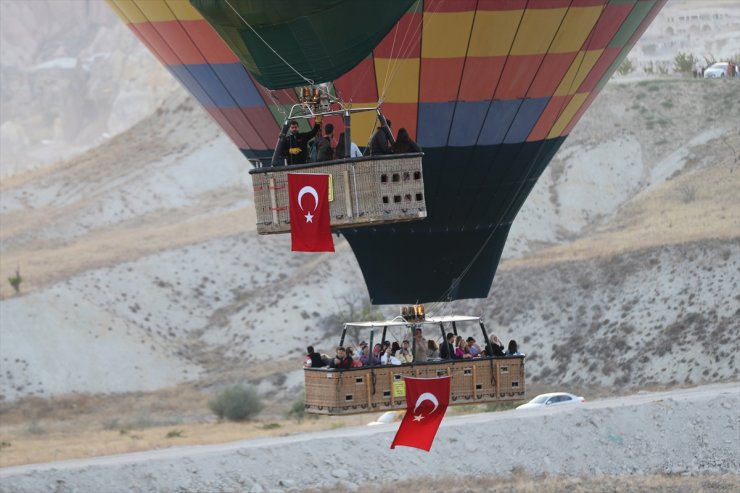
(489, 89)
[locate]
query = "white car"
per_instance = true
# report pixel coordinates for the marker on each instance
(388, 418)
(552, 399)
(717, 70)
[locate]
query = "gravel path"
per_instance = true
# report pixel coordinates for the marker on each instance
(686, 431)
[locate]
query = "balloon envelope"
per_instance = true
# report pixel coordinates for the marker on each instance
(489, 89)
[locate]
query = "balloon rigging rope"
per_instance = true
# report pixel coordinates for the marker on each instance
(405, 49)
(308, 81)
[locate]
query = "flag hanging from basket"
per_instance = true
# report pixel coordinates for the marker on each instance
(426, 402)
(310, 224)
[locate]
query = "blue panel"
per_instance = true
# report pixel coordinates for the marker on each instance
(498, 121)
(182, 73)
(434, 124)
(468, 120)
(525, 120)
(238, 84)
(212, 85)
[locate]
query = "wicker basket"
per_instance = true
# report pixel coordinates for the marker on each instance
(372, 190)
(381, 388)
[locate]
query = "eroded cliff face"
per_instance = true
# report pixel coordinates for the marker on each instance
(72, 76)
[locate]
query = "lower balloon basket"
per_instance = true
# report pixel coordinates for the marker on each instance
(362, 192)
(382, 388)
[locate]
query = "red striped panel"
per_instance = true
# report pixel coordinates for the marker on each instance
(456, 6)
(240, 121)
(548, 118)
(517, 76)
(599, 69)
(608, 24)
(500, 5)
(157, 44)
(576, 118)
(403, 115)
(439, 79)
(179, 42)
(263, 122)
(480, 77)
(551, 73)
(404, 40)
(548, 4)
(209, 42)
(145, 41)
(359, 83)
(224, 123)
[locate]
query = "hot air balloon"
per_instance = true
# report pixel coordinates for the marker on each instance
(489, 88)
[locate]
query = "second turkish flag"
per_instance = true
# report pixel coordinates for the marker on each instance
(310, 226)
(426, 403)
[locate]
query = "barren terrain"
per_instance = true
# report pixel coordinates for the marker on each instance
(146, 290)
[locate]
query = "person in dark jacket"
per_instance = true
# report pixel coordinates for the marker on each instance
(447, 348)
(404, 144)
(380, 142)
(316, 361)
(295, 144)
(495, 346)
(341, 361)
(324, 150)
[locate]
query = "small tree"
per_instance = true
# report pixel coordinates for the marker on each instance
(236, 403)
(16, 280)
(709, 60)
(626, 67)
(684, 63)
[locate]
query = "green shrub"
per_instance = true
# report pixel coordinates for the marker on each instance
(684, 63)
(16, 281)
(270, 426)
(236, 403)
(298, 412)
(174, 434)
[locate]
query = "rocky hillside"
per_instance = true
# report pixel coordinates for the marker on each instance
(141, 267)
(140, 257)
(72, 76)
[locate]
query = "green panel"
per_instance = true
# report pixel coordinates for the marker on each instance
(631, 23)
(320, 39)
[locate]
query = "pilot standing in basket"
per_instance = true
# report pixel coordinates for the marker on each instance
(295, 145)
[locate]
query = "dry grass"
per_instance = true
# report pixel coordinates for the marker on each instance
(521, 482)
(40, 430)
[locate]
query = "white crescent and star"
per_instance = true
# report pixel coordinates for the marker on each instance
(311, 191)
(426, 396)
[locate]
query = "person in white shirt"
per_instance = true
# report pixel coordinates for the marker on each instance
(339, 152)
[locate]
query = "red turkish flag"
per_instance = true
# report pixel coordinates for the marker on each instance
(310, 227)
(426, 403)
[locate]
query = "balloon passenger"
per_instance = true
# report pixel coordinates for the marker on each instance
(339, 152)
(295, 145)
(315, 358)
(341, 361)
(380, 142)
(325, 152)
(404, 144)
(495, 347)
